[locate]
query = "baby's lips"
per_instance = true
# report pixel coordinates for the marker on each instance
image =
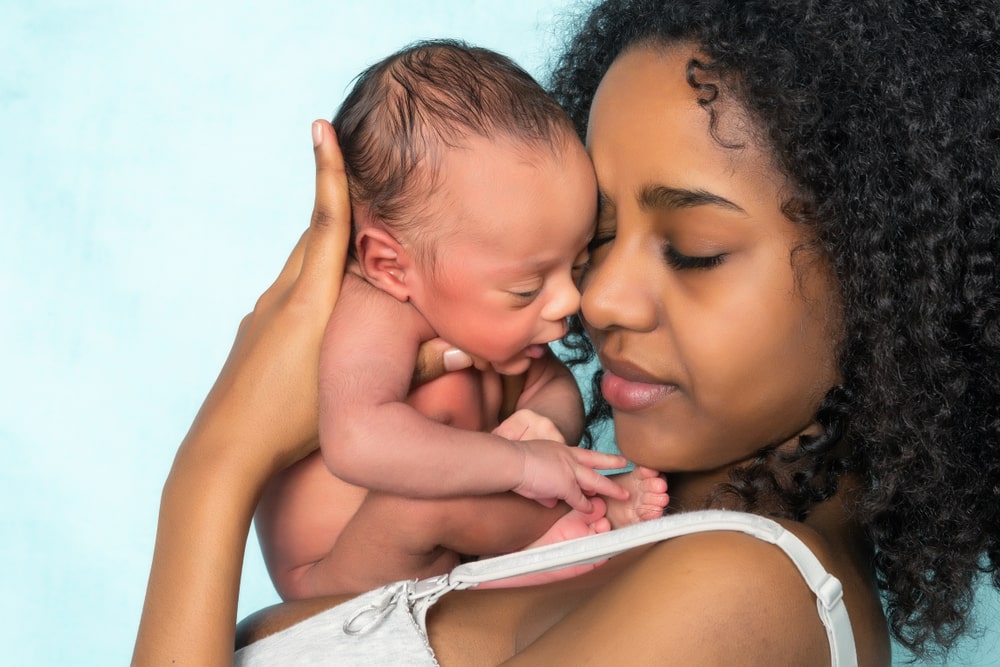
(536, 351)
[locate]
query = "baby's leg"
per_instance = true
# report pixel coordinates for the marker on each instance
(391, 538)
(647, 497)
(574, 524)
(570, 526)
(302, 511)
(386, 540)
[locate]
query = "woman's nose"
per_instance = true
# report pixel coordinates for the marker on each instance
(616, 292)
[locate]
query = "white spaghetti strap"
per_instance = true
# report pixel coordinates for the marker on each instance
(829, 599)
(826, 587)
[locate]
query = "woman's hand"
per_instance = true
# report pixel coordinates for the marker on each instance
(437, 357)
(260, 416)
(265, 399)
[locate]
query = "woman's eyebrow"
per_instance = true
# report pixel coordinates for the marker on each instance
(603, 201)
(664, 197)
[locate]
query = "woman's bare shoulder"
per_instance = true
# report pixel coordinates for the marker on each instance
(708, 598)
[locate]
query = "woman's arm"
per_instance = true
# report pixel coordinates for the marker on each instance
(259, 417)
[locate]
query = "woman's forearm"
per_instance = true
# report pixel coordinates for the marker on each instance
(205, 513)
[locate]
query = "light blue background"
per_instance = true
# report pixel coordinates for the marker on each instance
(155, 169)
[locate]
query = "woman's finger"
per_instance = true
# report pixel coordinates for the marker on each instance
(289, 272)
(435, 358)
(330, 227)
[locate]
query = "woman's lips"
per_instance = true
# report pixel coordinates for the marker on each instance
(632, 395)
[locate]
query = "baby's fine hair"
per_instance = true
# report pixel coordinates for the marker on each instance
(406, 110)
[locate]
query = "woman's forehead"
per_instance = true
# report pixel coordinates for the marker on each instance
(649, 129)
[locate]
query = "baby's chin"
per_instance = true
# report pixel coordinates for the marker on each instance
(512, 366)
(520, 364)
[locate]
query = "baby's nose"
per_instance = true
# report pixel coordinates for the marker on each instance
(565, 301)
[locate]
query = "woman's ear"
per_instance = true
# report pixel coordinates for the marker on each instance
(385, 262)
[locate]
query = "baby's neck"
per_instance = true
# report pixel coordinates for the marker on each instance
(354, 268)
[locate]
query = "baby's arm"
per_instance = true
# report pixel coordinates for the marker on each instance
(550, 390)
(371, 438)
(551, 400)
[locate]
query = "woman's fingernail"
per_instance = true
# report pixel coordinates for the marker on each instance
(317, 134)
(456, 360)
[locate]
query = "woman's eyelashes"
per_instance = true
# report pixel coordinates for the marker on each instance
(675, 259)
(581, 267)
(601, 238)
(681, 262)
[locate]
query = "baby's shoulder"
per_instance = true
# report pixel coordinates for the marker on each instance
(364, 311)
(357, 285)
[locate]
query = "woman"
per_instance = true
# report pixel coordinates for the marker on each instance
(794, 297)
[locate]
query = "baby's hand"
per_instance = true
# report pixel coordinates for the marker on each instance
(553, 471)
(528, 425)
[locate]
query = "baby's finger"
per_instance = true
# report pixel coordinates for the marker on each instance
(330, 227)
(578, 501)
(599, 460)
(594, 483)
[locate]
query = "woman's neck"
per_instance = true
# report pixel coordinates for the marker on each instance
(691, 490)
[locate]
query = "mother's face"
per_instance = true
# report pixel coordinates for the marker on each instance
(716, 338)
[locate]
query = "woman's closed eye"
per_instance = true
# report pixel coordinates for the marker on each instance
(681, 262)
(581, 268)
(600, 239)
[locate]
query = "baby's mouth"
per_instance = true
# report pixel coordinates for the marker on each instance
(536, 351)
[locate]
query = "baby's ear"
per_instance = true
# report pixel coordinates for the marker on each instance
(385, 262)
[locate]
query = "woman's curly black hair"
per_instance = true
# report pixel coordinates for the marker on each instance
(885, 117)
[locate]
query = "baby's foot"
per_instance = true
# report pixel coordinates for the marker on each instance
(575, 524)
(570, 526)
(647, 497)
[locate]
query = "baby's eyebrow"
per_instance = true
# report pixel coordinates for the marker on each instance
(665, 197)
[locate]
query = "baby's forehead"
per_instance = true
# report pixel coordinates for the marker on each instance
(517, 234)
(484, 190)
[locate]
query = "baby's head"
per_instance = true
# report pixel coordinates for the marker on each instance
(472, 197)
